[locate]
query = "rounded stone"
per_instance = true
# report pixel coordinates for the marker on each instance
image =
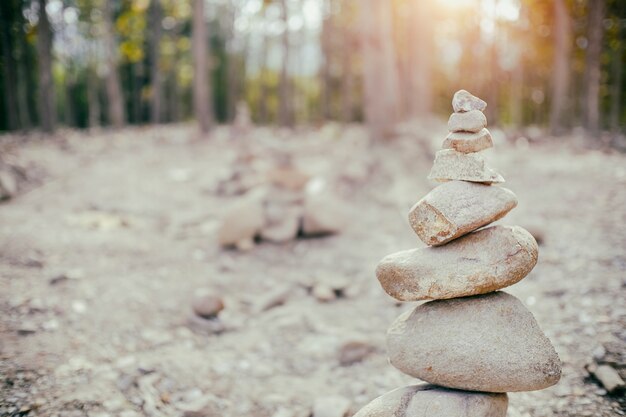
(472, 121)
(207, 305)
(464, 101)
(432, 401)
(489, 343)
(467, 142)
(477, 263)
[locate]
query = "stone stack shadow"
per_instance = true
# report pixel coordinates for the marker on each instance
(472, 343)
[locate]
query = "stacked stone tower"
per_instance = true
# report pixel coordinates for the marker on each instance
(473, 343)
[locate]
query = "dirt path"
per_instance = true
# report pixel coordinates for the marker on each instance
(98, 266)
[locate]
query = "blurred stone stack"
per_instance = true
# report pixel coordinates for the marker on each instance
(473, 343)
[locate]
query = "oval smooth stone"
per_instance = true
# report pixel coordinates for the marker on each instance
(472, 121)
(432, 401)
(489, 343)
(477, 263)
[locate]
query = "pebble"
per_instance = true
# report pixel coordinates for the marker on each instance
(464, 101)
(478, 263)
(207, 305)
(489, 343)
(452, 165)
(209, 326)
(456, 208)
(432, 401)
(354, 351)
(273, 298)
(323, 293)
(468, 142)
(27, 328)
(607, 376)
(8, 184)
(472, 121)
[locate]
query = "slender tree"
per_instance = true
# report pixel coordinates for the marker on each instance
(561, 66)
(381, 88)
(7, 41)
(327, 35)
(593, 66)
(285, 105)
(347, 77)
(156, 31)
(617, 71)
(420, 58)
(47, 106)
(113, 87)
(201, 86)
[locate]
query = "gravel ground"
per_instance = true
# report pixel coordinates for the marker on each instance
(100, 256)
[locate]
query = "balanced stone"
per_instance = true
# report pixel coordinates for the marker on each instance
(467, 142)
(471, 121)
(480, 262)
(431, 401)
(452, 165)
(488, 343)
(455, 208)
(464, 101)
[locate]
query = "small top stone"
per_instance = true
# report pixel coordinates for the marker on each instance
(464, 101)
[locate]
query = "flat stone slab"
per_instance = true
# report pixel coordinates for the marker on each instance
(452, 165)
(464, 101)
(456, 208)
(480, 262)
(432, 401)
(489, 343)
(471, 121)
(466, 142)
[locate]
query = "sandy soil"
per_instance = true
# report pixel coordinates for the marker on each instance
(101, 253)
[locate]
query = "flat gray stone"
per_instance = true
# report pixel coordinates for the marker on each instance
(452, 165)
(464, 101)
(455, 208)
(480, 262)
(489, 343)
(466, 142)
(472, 121)
(431, 401)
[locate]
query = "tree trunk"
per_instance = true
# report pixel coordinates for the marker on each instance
(381, 89)
(617, 75)
(10, 76)
(593, 66)
(561, 67)
(136, 81)
(26, 119)
(47, 112)
(113, 87)
(326, 37)
(156, 15)
(70, 116)
(263, 87)
(421, 53)
(284, 97)
(93, 98)
(347, 81)
(201, 88)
